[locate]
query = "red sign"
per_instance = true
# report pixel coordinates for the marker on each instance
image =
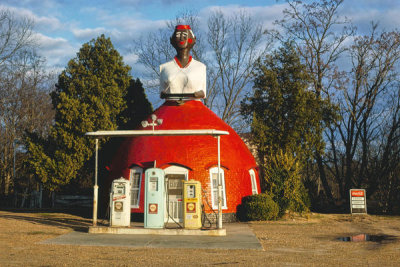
(191, 207)
(357, 193)
(119, 197)
(153, 208)
(359, 238)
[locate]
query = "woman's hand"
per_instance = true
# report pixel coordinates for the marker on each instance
(199, 94)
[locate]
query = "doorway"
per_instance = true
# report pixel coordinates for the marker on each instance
(174, 198)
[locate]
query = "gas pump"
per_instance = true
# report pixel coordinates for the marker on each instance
(120, 199)
(191, 202)
(154, 198)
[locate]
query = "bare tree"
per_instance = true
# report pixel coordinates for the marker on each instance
(363, 142)
(237, 43)
(319, 32)
(24, 106)
(384, 178)
(15, 34)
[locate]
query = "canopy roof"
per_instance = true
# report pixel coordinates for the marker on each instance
(127, 133)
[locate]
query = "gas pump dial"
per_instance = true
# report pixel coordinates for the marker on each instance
(120, 198)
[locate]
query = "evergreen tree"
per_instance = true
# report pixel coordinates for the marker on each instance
(284, 116)
(89, 96)
(138, 106)
(138, 109)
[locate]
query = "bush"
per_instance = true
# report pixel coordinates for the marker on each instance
(258, 208)
(284, 173)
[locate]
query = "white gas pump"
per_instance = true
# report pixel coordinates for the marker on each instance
(120, 199)
(154, 198)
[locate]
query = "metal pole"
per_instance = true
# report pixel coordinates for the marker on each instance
(15, 190)
(15, 151)
(96, 187)
(219, 186)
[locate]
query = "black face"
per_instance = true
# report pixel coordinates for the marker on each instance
(182, 39)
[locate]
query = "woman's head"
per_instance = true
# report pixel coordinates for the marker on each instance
(183, 37)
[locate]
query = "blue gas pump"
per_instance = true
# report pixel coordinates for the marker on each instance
(154, 198)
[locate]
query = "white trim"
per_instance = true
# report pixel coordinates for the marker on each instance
(214, 204)
(177, 170)
(253, 180)
(125, 133)
(132, 172)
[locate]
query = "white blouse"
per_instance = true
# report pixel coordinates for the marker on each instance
(177, 80)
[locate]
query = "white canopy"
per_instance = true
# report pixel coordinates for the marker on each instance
(127, 133)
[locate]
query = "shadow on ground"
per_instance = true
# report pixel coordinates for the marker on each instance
(66, 219)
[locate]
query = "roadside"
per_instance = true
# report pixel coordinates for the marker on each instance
(297, 241)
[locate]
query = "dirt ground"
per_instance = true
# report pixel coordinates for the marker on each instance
(287, 242)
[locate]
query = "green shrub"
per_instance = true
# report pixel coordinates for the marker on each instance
(284, 173)
(259, 207)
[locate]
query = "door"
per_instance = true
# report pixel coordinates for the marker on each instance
(174, 197)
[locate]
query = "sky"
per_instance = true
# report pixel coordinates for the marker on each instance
(62, 26)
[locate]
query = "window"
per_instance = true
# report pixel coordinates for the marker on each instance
(214, 187)
(253, 182)
(136, 180)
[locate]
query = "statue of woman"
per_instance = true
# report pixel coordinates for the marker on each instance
(183, 77)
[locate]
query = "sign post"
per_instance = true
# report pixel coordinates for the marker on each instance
(358, 201)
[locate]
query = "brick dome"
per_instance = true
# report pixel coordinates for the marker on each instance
(196, 154)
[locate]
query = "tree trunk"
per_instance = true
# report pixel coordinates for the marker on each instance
(24, 197)
(53, 199)
(324, 181)
(7, 181)
(40, 196)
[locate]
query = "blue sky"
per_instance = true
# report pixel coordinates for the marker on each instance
(62, 26)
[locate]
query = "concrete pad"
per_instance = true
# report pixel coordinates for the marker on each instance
(144, 231)
(238, 236)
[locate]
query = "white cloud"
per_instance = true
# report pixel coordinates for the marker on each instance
(121, 28)
(266, 15)
(33, 4)
(88, 33)
(47, 24)
(135, 3)
(384, 12)
(134, 26)
(123, 32)
(57, 51)
(42, 23)
(387, 20)
(130, 59)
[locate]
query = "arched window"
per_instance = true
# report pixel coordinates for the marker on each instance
(136, 180)
(253, 180)
(214, 187)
